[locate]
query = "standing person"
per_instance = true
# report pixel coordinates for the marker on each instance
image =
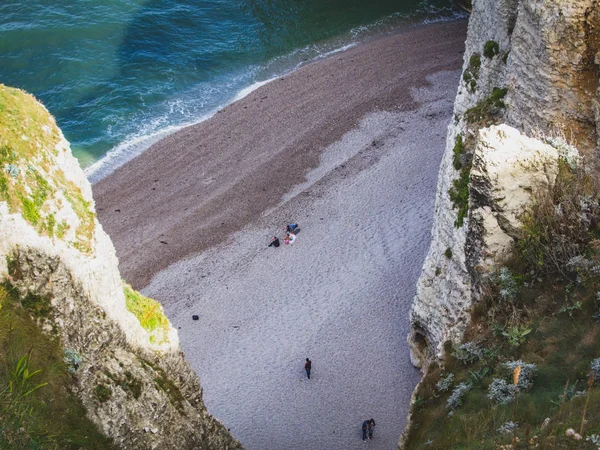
(365, 427)
(371, 428)
(274, 242)
(307, 367)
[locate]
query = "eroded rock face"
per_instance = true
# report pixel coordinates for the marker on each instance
(553, 75)
(137, 389)
(548, 60)
(507, 168)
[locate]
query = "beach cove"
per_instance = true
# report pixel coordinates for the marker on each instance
(349, 148)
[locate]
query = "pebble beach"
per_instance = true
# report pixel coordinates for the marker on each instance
(349, 148)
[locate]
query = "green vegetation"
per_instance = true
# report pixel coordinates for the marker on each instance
(448, 253)
(459, 152)
(491, 49)
(149, 313)
(102, 392)
(459, 193)
(28, 182)
(36, 408)
(486, 111)
(471, 73)
(38, 306)
(528, 371)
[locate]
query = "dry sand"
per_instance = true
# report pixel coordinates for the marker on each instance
(349, 148)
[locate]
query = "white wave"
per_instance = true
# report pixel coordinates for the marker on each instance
(148, 135)
(248, 90)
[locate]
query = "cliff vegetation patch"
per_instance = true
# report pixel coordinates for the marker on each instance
(487, 111)
(36, 407)
(527, 374)
(471, 73)
(459, 192)
(30, 184)
(491, 49)
(149, 313)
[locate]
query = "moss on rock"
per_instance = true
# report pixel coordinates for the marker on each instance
(149, 313)
(30, 182)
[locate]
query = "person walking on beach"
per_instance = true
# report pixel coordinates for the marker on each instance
(371, 426)
(365, 429)
(274, 242)
(307, 367)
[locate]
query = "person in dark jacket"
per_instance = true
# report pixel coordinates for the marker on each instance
(307, 367)
(371, 425)
(365, 428)
(274, 242)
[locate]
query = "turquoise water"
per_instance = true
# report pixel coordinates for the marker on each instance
(117, 72)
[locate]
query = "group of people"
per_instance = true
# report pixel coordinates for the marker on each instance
(289, 238)
(368, 426)
(367, 429)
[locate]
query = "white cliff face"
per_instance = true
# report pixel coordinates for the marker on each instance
(553, 69)
(444, 287)
(548, 56)
(94, 269)
(507, 168)
(52, 246)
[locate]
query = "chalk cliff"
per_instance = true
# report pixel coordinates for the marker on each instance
(123, 354)
(534, 66)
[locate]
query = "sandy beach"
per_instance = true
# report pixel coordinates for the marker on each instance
(349, 148)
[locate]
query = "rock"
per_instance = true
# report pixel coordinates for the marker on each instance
(507, 168)
(74, 268)
(553, 87)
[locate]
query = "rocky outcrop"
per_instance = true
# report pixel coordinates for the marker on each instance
(507, 168)
(553, 71)
(546, 54)
(122, 353)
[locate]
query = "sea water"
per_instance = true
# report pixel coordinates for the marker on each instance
(120, 74)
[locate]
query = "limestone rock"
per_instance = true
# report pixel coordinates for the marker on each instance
(507, 168)
(52, 245)
(548, 63)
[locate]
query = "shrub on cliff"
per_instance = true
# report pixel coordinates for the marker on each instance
(560, 228)
(471, 73)
(468, 353)
(149, 313)
(491, 49)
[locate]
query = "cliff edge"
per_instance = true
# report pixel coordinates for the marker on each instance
(120, 355)
(532, 65)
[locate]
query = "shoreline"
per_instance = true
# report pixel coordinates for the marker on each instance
(195, 188)
(135, 145)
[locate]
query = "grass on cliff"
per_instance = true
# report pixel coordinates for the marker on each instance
(542, 307)
(36, 408)
(149, 313)
(471, 73)
(459, 192)
(487, 111)
(29, 183)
